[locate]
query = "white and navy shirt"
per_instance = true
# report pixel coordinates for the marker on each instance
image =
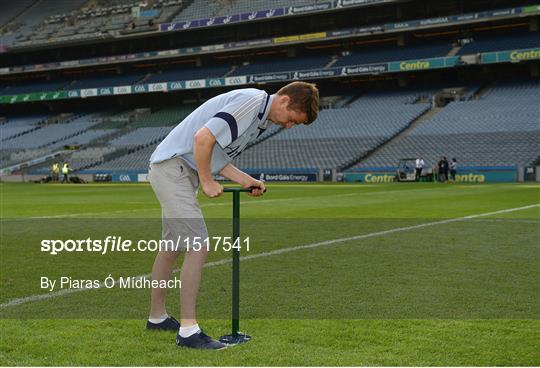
(235, 118)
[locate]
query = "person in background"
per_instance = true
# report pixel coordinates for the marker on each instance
(440, 170)
(453, 169)
(55, 171)
(419, 167)
(446, 168)
(65, 172)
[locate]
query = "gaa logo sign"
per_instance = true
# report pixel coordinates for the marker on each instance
(195, 84)
(176, 85)
(231, 81)
(104, 91)
(215, 82)
(122, 90)
(139, 88)
(124, 178)
(73, 94)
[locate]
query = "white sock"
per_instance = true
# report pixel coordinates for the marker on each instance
(188, 331)
(159, 319)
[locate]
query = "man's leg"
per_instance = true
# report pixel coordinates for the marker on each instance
(190, 276)
(162, 270)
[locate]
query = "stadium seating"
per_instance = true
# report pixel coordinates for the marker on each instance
(109, 81)
(61, 21)
(135, 160)
(84, 137)
(394, 53)
(513, 41)
(170, 116)
(201, 9)
(13, 9)
(283, 64)
(36, 14)
(501, 128)
(89, 156)
(15, 127)
(141, 136)
(188, 74)
(32, 87)
(52, 133)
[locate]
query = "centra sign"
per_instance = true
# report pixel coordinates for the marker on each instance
(524, 55)
(414, 65)
(471, 178)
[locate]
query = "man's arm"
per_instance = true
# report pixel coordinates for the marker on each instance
(203, 144)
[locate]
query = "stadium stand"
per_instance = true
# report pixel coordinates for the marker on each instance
(200, 9)
(246, 6)
(392, 53)
(109, 81)
(61, 20)
(137, 159)
(89, 156)
(84, 137)
(501, 128)
(35, 15)
(141, 136)
(188, 74)
(15, 126)
(17, 88)
(290, 64)
(170, 116)
(13, 10)
(51, 133)
(516, 40)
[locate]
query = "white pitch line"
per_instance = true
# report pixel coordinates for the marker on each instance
(510, 221)
(33, 298)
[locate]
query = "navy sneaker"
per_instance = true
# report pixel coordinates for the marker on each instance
(199, 341)
(170, 324)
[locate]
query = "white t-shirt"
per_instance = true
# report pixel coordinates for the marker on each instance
(419, 163)
(235, 118)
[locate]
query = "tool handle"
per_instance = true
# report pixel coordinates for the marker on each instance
(241, 190)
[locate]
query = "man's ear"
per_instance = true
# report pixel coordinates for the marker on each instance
(285, 100)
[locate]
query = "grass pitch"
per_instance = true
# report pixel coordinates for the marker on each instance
(338, 274)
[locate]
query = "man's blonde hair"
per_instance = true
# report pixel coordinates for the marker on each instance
(304, 97)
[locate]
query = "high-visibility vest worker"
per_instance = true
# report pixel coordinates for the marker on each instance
(55, 168)
(65, 168)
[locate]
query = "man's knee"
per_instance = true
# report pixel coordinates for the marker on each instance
(169, 255)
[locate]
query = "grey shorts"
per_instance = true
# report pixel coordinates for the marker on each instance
(176, 184)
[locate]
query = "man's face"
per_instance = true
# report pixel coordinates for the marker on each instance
(283, 116)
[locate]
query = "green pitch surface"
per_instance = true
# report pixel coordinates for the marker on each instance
(389, 274)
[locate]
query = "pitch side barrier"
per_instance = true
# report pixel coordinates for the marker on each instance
(471, 174)
(268, 175)
(286, 40)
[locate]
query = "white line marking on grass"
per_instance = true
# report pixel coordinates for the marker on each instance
(54, 294)
(509, 221)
